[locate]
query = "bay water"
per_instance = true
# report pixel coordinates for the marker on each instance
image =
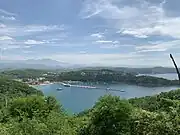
(75, 99)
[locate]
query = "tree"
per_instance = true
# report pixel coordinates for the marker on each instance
(110, 116)
(33, 106)
(152, 123)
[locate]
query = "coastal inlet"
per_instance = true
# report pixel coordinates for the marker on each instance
(77, 99)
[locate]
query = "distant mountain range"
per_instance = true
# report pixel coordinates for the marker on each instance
(53, 64)
(36, 64)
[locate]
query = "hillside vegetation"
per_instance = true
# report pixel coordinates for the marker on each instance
(24, 73)
(110, 76)
(10, 89)
(90, 75)
(140, 70)
(28, 112)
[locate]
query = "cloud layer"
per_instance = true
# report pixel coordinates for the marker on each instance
(105, 32)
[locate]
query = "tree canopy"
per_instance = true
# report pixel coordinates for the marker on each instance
(29, 112)
(110, 76)
(91, 75)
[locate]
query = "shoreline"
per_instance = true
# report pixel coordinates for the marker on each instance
(95, 84)
(42, 84)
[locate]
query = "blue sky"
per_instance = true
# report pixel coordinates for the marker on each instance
(94, 32)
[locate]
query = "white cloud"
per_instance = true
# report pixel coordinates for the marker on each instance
(141, 20)
(27, 46)
(98, 59)
(12, 47)
(169, 26)
(9, 31)
(92, 14)
(152, 50)
(104, 41)
(104, 9)
(13, 57)
(134, 33)
(2, 26)
(9, 46)
(33, 42)
(115, 42)
(97, 35)
(82, 52)
(109, 46)
(7, 43)
(8, 18)
(107, 41)
(7, 12)
(88, 8)
(5, 38)
(22, 30)
(102, 59)
(27, 51)
(43, 28)
(158, 47)
(54, 36)
(166, 26)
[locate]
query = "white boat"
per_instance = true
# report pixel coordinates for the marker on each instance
(59, 89)
(108, 88)
(66, 85)
(122, 91)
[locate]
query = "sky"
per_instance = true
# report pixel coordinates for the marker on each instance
(91, 32)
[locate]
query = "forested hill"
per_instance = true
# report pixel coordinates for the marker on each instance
(98, 75)
(135, 71)
(158, 102)
(24, 73)
(28, 112)
(150, 70)
(11, 89)
(110, 76)
(140, 70)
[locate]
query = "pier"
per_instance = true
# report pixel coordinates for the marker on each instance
(90, 87)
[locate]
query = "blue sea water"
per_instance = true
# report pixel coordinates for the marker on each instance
(76, 99)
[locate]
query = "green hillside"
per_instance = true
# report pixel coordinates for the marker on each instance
(28, 112)
(157, 102)
(23, 73)
(111, 76)
(90, 75)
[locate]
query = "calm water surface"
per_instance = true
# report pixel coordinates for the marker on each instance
(75, 99)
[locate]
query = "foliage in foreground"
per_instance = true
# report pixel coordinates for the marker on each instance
(34, 114)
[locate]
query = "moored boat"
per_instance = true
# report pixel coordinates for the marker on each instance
(66, 85)
(59, 89)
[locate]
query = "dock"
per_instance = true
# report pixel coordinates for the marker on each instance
(91, 87)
